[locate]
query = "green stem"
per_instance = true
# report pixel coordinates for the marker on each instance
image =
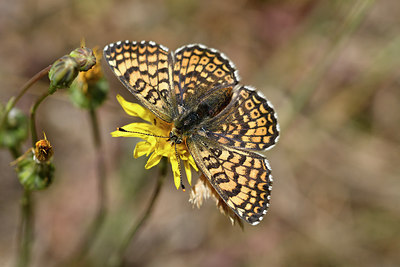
(23, 90)
(101, 175)
(33, 114)
(308, 86)
(101, 171)
(98, 220)
(25, 238)
(117, 258)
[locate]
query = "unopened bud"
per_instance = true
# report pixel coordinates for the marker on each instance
(15, 128)
(85, 58)
(63, 72)
(32, 174)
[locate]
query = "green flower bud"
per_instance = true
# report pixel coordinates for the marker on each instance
(15, 129)
(62, 73)
(85, 58)
(34, 175)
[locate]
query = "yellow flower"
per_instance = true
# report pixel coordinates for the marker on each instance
(155, 133)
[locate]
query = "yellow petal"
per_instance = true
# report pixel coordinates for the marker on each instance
(135, 110)
(165, 149)
(188, 171)
(176, 172)
(142, 148)
(120, 134)
(192, 163)
(153, 161)
(140, 130)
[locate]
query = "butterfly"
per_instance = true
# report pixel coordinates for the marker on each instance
(223, 123)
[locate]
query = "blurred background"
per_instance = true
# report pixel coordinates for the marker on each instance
(331, 70)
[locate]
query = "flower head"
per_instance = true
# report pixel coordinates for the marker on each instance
(43, 150)
(155, 134)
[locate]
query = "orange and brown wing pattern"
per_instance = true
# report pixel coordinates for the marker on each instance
(198, 70)
(249, 122)
(242, 178)
(145, 68)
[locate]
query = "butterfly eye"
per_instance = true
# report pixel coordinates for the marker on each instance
(178, 140)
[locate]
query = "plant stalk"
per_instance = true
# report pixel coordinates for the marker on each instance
(25, 237)
(117, 258)
(32, 117)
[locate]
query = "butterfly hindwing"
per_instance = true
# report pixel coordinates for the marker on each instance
(145, 68)
(242, 178)
(248, 122)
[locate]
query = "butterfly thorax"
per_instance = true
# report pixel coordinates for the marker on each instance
(190, 120)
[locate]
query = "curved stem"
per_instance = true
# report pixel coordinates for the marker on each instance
(117, 258)
(23, 90)
(32, 117)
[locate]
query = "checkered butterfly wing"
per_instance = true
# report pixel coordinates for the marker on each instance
(145, 68)
(248, 122)
(241, 178)
(221, 149)
(198, 71)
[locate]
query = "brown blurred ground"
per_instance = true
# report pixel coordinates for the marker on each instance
(336, 167)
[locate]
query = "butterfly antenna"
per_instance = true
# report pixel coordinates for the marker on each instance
(180, 169)
(126, 131)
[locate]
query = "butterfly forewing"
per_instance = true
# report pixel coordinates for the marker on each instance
(242, 178)
(199, 70)
(145, 68)
(248, 122)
